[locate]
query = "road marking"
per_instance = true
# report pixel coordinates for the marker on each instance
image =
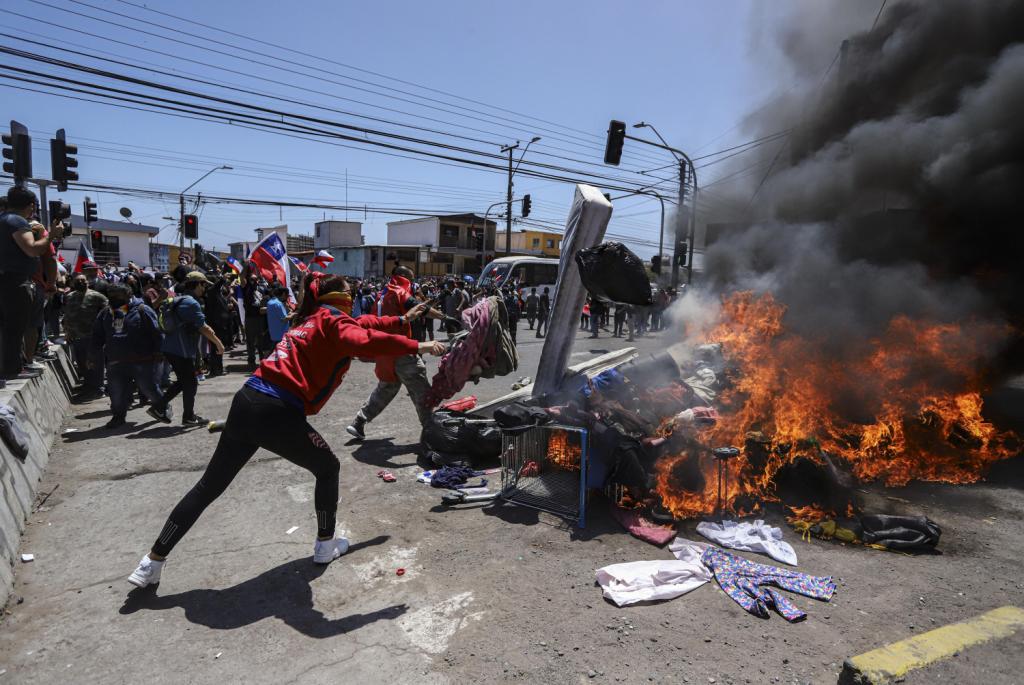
(893, 661)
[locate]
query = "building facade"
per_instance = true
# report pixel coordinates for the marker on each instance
(374, 261)
(327, 234)
(450, 244)
(532, 243)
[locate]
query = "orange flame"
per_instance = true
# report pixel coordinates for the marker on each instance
(917, 392)
(563, 452)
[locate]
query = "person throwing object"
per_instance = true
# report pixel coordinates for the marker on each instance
(293, 382)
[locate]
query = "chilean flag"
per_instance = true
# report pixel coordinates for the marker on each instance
(233, 264)
(271, 258)
(299, 264)
(84, 255)
(323, 258)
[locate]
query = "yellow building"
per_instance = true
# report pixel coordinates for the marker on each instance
(531, 243)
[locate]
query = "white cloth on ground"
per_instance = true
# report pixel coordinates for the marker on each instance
(750, 537)
(645, 581)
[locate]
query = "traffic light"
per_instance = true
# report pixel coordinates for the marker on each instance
(527, 205)
(656, 263)
(97, 239)
(62, 162)
(682, 250)
(190, 226)
(616, 137)
(89, 211)
(18, 149)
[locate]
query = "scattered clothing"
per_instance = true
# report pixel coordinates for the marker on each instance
(754, 586)
(646, 581)
(638, 526)
(452, 476)
(904, 533)
(750, 537)
(462, 404)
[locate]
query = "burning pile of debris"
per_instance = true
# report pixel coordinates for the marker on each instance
(753, 415)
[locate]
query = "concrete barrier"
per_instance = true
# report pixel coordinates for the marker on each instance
(41, 405)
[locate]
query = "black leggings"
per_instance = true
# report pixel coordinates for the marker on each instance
(258, 420)
(184, 382)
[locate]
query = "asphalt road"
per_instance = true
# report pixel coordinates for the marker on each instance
(489, 594)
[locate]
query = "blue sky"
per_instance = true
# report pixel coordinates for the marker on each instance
(692, 69)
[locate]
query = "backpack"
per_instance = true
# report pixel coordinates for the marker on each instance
(167, 315)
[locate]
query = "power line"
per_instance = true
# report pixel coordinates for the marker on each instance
(236, 49)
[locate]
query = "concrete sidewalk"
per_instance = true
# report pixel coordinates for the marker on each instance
(490, 594)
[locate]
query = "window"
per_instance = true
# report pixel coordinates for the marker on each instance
(373, 255)
(551, 244)
(344, 255)
(318, 230)
(536, 242)
(449, 235)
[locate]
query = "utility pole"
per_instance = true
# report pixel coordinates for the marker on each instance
(508, 195)
(508, 201)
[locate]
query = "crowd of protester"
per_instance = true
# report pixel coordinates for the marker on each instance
(128, 329)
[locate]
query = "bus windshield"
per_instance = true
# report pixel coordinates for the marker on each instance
(495, 274)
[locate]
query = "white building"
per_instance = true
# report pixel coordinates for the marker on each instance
(374, 261)
(454, 243)
(328, 234)
(119, 242)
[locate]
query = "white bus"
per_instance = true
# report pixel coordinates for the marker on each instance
(528, 272)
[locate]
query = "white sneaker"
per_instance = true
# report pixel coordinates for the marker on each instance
(326, 551)
(148, 572)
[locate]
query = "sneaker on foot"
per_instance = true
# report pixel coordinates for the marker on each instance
(161, 416)
(148, 572)
(326, 551)
(35, 366)
(356, 429)
(194, 420)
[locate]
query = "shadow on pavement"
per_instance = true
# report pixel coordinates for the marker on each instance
(159, 431)
(99, 432)
(283, 592)
(380, 452)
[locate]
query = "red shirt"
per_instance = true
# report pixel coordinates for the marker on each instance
(312, 358)
(393, 302)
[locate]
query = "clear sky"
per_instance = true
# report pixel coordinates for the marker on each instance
(691, 68)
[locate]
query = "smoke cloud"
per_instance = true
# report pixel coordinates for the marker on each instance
(897, 192)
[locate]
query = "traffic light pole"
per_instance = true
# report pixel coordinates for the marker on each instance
(44, 206)
(181, 224)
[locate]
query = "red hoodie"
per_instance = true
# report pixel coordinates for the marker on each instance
(393, 302)
(312, 358)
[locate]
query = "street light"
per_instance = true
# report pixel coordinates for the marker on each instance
(684, 162)
(508, 195)
(181, 204)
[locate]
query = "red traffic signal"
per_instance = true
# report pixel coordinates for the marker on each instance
(97, 237)
(190, 226)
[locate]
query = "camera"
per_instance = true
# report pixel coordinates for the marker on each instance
(59, 210)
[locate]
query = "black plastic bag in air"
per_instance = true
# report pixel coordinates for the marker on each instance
(612, 273)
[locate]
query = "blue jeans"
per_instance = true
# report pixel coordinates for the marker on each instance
(123, 378)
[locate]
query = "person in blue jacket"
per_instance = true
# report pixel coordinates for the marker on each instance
(127, 335)
(277, 315)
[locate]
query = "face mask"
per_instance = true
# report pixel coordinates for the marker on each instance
(80, 286)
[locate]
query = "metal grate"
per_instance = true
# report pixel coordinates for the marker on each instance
(545, 468)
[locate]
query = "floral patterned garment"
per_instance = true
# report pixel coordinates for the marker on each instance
(753, 586)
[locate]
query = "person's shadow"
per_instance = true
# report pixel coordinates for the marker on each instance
(283, 592)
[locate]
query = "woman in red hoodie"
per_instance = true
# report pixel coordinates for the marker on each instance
(270, 410)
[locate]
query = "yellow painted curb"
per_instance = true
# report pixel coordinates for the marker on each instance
(885, 664)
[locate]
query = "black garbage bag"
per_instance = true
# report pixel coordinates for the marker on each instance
(905, 533)
(461, 436)
(519, 417)
(612, 273)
